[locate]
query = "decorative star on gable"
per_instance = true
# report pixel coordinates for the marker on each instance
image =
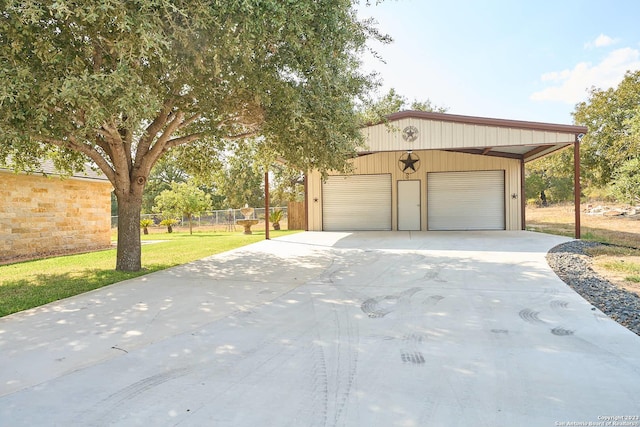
(410, 133)
(409, 163)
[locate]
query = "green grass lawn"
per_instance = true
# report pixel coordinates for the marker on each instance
(33, 283)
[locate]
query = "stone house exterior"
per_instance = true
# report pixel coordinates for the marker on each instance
(43, 213)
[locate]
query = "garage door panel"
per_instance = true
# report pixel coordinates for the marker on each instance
(356, 202)
(466, 200)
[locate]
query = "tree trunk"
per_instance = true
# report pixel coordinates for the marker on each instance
(129, 249)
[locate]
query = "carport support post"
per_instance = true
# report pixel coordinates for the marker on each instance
(576, 183)
(266, 204)
(523, 206)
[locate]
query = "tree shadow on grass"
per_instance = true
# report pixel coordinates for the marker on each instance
(40, 289)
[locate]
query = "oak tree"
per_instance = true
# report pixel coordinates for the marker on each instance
(119, 83)
(613, 119)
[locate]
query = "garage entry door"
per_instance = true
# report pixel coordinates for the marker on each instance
(356, 202)
(466, 200)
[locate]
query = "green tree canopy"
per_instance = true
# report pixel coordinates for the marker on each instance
(183, 199)
(613, 119)
(120, 83)
(163, 173)
(241, 178)
(374, 110)
(550, 178)
(626, 182)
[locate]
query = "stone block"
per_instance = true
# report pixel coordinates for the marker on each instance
(42, 214)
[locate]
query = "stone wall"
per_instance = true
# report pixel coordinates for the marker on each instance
(40, 215)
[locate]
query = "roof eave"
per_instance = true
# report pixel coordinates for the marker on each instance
(484, 121)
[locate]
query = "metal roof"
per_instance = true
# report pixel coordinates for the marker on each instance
(421, 130)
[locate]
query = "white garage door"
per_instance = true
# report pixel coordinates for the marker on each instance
(356, 202)
(466, 200)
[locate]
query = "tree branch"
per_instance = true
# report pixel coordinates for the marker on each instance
(126, 137)
(182, 140)
(119, 157)
(87, 150)
(190, 120)
(145, 161)
(152, 130)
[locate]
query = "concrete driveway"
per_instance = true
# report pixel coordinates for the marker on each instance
(328, 329)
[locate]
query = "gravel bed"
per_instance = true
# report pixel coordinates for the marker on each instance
(573, 266)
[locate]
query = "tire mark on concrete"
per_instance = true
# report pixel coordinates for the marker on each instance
(411, 353)
(561, 332)
(345, 355)
(558, 304)
(433, 273)
(530, 316)
(433, 299)
(370, 308)
(319, 390)
(379, 307)
(415, 357)
(335, 363)
(116, 399)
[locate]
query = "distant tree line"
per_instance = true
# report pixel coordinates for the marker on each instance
(609, 152)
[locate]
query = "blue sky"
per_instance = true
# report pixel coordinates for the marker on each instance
(523, 60)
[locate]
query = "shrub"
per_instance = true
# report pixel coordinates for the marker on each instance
(275, 217)
(169, 223)
(145, 223)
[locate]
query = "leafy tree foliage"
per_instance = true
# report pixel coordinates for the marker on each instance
(120, 83)
(550, 179)
(613, 119)
(626, 184)
(183, 199)
(287, 185)
(162, 175)
(374, 111)
(241, 178)
(611, 144)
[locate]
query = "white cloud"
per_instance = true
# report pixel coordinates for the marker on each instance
(601, 41)
(572, 85)
(556, 76)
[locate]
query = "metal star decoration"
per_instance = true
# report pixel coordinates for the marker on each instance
(409, 163)
(410, 133)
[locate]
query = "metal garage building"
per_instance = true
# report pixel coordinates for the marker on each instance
(435, 171)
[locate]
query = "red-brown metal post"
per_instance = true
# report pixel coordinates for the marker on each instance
(266, 204)
(523, 201)
(306, 202)
(576, 183)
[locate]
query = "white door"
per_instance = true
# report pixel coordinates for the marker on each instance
(356, 202)
(466, 200)
(408, 205)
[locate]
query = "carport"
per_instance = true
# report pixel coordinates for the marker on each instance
(433, 171)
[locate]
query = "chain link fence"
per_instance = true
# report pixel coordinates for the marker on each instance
(226, 217)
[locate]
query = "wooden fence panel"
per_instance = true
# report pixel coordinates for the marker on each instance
(296, 216)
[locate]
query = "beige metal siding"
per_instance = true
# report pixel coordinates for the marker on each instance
(434, 134)
(430, 161)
